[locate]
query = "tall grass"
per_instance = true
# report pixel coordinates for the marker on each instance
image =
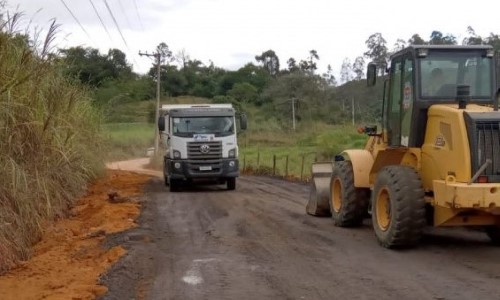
(50, 141)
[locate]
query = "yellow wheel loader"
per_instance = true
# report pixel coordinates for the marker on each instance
(436, 161)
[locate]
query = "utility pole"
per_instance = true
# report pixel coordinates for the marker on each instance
(156, 55)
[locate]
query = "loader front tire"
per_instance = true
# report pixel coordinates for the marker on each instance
(398, 207)
(348, 204)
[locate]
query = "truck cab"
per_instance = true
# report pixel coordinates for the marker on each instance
(200, 144)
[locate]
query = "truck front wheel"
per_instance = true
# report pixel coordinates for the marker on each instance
(174, 185)
(231, 183)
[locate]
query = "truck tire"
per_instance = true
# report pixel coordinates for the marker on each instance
(231, 183)
(174, 185)
(493, 233)
(165, 172)
(348, 204)
(398, 207)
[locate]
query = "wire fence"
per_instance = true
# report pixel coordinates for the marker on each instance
(291, 166)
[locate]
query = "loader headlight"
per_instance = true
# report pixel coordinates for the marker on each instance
(232, 153)
(177, 165)
(231, 164)
(177, 154)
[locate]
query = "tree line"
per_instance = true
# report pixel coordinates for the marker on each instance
(265, 82)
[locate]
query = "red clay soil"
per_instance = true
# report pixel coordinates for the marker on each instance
(68, 261)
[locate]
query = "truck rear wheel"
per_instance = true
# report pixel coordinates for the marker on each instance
(493, 233)
(398, 207)
(348, 204)
(231, 183)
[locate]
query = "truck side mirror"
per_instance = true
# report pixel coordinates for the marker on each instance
(243, 121)
(371, 74)
(161, 123)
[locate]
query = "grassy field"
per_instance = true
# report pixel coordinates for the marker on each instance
(128, 140)
(316, 142)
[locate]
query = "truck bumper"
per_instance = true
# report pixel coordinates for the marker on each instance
(202, 169)
(463, 195)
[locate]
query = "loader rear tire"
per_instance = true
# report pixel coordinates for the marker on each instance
(493, 233)
(398, 207)
(348, 204)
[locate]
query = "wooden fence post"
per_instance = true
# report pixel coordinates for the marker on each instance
(244, 162)
(302, 167)
(274, 164)
(286, 166)
(258, 158)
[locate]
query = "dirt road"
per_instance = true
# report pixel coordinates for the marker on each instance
(258, 243)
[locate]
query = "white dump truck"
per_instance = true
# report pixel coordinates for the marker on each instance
(201, 144)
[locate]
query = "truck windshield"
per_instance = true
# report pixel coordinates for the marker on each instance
(188, 126)
(442, 71)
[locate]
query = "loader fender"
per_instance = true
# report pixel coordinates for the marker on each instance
(362, 162)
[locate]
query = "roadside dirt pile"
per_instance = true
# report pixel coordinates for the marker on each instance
(67, 262)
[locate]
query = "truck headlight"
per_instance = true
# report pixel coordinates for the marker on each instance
(177, 154)
(232, 153)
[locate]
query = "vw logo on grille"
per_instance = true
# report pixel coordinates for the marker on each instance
(204, 148)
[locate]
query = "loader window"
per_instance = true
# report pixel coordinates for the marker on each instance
(441, 72)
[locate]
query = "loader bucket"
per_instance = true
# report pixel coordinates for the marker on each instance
(319, 196)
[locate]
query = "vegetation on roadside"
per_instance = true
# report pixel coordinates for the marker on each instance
(51, 143)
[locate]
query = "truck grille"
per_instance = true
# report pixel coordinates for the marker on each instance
(205, 150)
(484, 139)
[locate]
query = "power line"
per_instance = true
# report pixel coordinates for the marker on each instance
(100, 19)
(76, 19)
(138, 16)
(116, 23)
(124, 13)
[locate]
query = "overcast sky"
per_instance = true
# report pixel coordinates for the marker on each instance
(232, 32)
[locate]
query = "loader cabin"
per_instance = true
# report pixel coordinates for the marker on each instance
(424, 75)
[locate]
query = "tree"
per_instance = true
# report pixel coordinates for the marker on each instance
(270, 62)
(329, 77)
(292, 65)
(399, 45)
(493, 40)
(437, 38)
(473, 38)
(244, 92)
(358, 67)
(346, 71)
(416, 40)
(165, 53)
(377, 50)
(183, 58)
(309, 65)
(93, 68)
(313, 57)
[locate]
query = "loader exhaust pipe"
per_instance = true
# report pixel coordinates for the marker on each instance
(463, 96)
